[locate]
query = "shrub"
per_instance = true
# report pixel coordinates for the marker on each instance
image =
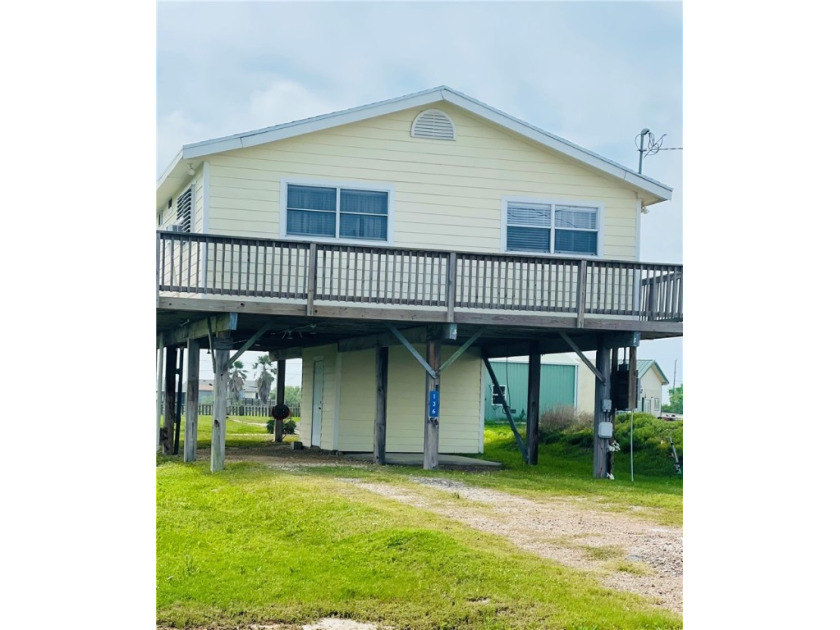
(558, 418)
(650, 435)
(560, 421)
(289, 426)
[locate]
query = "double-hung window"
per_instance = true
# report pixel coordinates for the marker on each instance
(336, 212)
(552, 228)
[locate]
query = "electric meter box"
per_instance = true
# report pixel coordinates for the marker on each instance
(605, 430)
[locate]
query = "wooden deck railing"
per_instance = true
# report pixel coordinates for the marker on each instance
(292, 270)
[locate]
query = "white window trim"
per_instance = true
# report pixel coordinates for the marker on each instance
(368, 186)
(586, 203)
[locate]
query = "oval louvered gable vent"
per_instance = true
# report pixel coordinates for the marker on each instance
(433, 124)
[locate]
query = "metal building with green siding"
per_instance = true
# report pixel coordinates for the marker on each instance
(558, 387)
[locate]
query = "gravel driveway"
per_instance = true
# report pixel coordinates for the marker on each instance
(622, 551)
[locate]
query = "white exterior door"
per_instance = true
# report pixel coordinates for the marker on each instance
(317, 401)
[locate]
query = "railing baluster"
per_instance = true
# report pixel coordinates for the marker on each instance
(528, 286)
(402, 277)
(679, 299)
(215, 266)
(273, 267)
(312, 278)
(543, 285)
(504, 274)
(581, 292)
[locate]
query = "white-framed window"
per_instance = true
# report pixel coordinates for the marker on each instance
(336, 211)
(552, 227)
(499, 394)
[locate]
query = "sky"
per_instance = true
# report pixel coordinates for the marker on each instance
(594, 73)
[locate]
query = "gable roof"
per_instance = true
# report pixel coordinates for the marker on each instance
(643, 365)
(174, 175)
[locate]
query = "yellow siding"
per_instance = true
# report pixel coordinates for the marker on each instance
(460, 401)
(198, 202)
(447, 194)
(167, 217)
(358, 401)
(186, 268)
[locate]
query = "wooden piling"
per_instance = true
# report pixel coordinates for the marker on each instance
(431, 434)
(379, 427)
(191, 425)
(179, 395)
(222, 349)
(602, 393)
(169, 399)
(281, 397)
(533, 417)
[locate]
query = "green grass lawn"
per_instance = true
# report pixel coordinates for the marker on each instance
(242, 432)
(252, 544)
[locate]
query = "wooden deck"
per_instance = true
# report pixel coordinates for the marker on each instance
(205, 273)
(278, 296)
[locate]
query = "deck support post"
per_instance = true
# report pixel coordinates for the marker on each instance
(602, 394)
(169, 399)
(281, 397)
(379, 426)
(222, 347)
(430, 436)
(159, 403)
(533, 417)
(179, 397)
(191, 426)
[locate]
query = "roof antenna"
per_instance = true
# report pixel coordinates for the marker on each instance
(654, 146)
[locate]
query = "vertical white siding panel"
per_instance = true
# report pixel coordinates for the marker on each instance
(328, 355)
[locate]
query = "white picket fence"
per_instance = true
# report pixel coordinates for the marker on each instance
(261, 411)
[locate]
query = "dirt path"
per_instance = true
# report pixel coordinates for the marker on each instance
(623, 552)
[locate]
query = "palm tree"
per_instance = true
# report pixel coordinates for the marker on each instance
(265, 379)
(236, 380)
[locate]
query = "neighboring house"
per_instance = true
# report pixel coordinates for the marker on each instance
(651, 381)
(565, 381)
(205, 391)
(396, 245)
(559, 382)
(248, 395)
